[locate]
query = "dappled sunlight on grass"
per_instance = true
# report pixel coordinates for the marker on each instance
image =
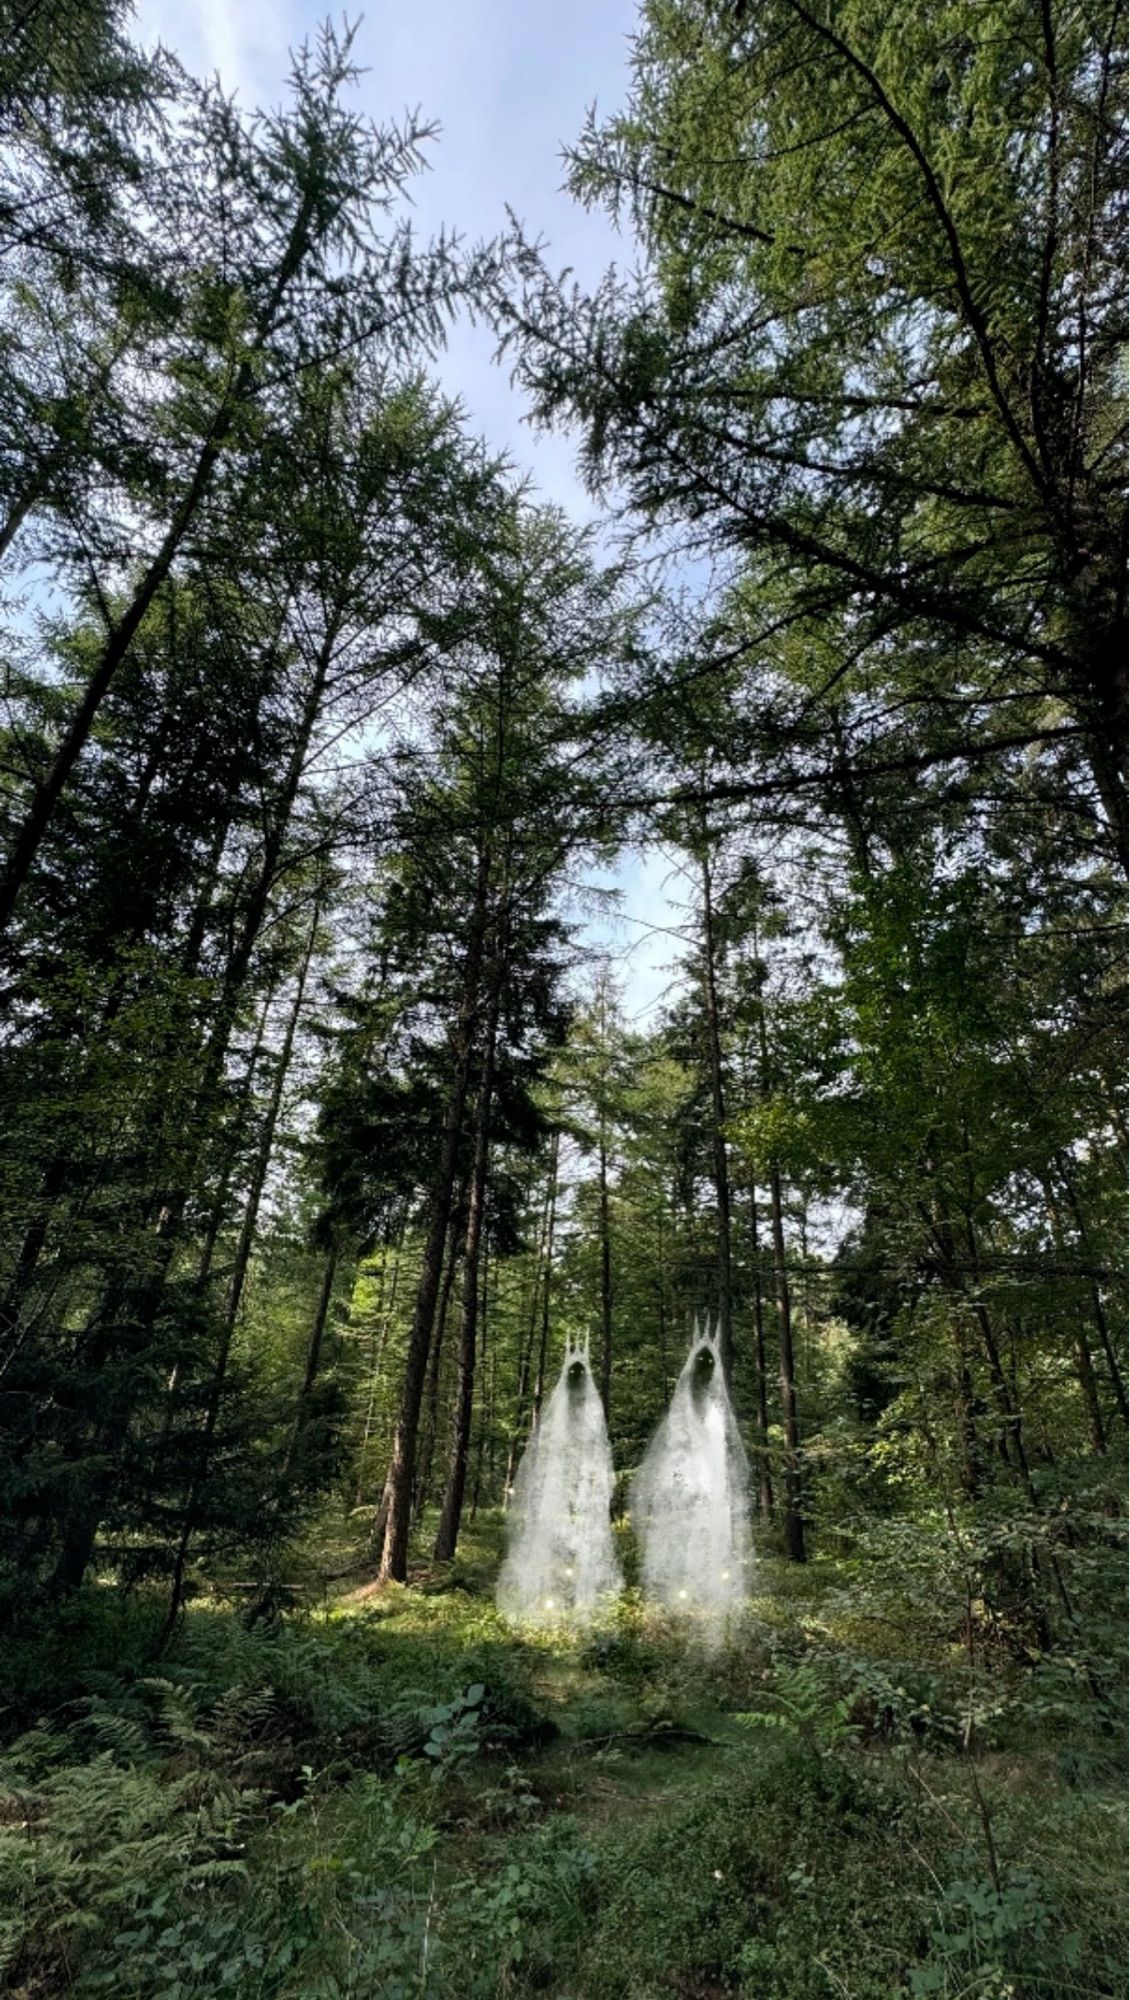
(396, 1791)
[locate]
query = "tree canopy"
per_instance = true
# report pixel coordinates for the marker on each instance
(331, 1116)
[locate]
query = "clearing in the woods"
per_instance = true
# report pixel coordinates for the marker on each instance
(397, 1795)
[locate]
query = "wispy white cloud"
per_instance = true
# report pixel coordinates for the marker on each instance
(246, 46)
(507, 83)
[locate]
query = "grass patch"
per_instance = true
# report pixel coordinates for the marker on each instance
(400, 1796)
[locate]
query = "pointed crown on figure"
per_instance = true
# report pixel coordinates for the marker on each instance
(577, 1350)
(704, 1337)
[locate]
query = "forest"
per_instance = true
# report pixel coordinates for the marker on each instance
(329, 1121)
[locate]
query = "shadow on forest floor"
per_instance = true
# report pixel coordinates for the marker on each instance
(397, 1795)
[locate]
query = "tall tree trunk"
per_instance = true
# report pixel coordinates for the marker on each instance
(250, 1224)
(971, 1311)
(793, 1518)
(1014, 1449)
(965, 1414)
(230, 1162)
(1007, 1403)
(431, 1390)
(605, 1271)
(661, 1298)
(1101, 1324)
(238, 1275)
(484, 1451)
(227, 1174)
(718, 1132)
(58, 1170)
(547, 1288)
(1084, 1364)
(1085, 1370)
(794, 1522)
(383, 1322)
(18, 1288)
(170, 1205)
(75, 737)
(397, 1501)
(452, 1511)
(526, 1348)
(243, 382)
(764, 1477)
(313, 1361)
(139, 1300)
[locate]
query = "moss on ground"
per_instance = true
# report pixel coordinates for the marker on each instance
(399, 1796)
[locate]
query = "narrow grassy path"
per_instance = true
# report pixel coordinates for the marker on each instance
(786, 1817)
(395, 1796)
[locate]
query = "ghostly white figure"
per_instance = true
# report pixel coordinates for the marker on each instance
(689, 1501)
(561, 1563)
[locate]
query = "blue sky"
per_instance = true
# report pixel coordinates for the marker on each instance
(508, 82)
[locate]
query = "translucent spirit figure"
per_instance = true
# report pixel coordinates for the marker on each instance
(561, 1563)
(689, 1501)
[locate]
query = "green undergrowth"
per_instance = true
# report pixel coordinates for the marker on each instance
(399, 1796)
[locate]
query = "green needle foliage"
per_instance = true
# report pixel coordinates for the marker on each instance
(328, 1113)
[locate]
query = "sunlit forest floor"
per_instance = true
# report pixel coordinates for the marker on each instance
(396, 1795)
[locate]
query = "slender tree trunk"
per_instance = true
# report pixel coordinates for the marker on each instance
(227, 1174)
(718, 1133)
(243, 382)
(1101, 1324)
(760, 1372)
(58, 1170)
(1007, 1403)
(1085, 1370)
(27, 1258)
(1084, 1365)
(793, 1518)
(397, 1502)
(547, 1287)
(313, 1361)
(383, 1322)
(484, 1451)
(1013, 1444)
(452, 1512)
(806, 1277)
(246, 1243)
(965, 1413)
(972, 1310)
(661, 1298)
(238, 1276)
(170, 1206)
(240, 1109)
(794, 1522)
(605, 1271)
(431, 1389)
(526, 1350)
(140, 1300)
(48, 791)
